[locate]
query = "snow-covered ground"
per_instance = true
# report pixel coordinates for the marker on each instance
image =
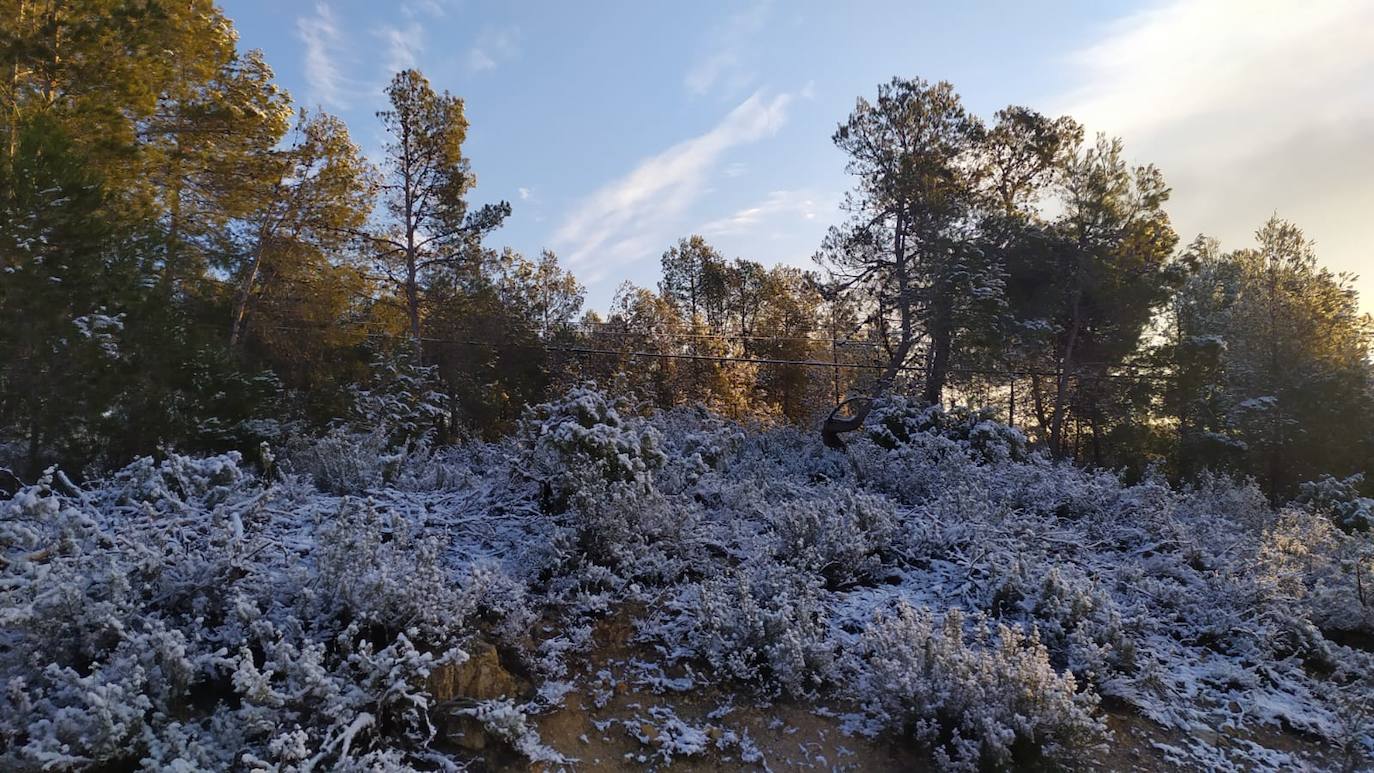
(936, 588)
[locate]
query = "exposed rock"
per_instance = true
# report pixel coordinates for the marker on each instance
(468, 733)
(481, 677)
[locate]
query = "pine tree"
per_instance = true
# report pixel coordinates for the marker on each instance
(1284, 384)
(425, 184)
(67, 285)
(1090, 283)
(693, 280)
(789, 326)
(910, 245)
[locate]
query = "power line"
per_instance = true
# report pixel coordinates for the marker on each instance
(583, 350)
(1008, 373)
(728, 336)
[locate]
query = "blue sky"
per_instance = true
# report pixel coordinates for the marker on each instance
(614, 128)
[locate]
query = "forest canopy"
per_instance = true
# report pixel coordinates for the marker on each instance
(192, 261)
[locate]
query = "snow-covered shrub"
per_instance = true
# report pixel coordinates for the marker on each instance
(390, 425)
(636, 530)
(840, 534)
(1340, 501)
(1241, 502)
(183, 615)
(763, 625)
(345, 698)
(1075, 618)
(693, 443)
(498, 601)
(671, 737)
(582, 443)
(188, 614)
(371, 568)
(343, 461)
(897, 420)
(1309, 561)
(444, 468)
(173, 483)
(402, 400)
(976, 699)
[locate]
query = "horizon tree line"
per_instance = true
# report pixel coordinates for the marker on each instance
(191, 261)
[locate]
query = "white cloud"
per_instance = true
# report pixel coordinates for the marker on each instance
(403, 46)
(1249, 107)
(415, 8)
(320, 34)
(525, 193)
(725, 60)
(636, 214)
(777, 210)
(479, 60)
(707, 70)
(494, 46)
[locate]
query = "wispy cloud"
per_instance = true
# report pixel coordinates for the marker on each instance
(1248, 106)
(777, 210)
(413, 9)
(494, 46)
(525, 193)
(403, 46)
(636, 214)
(725, 60)
(320, 34)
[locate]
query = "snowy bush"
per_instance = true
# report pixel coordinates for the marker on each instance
(343, 461)
(189, 614)
(1311, 563)
(582, 443)
(977, 699)
(636, 530)
(693, 443)
(390, 426)
(1340, 501)
(502, 719)
(1078, 622)
(177, 618)
(371, 569)
(839, 534)
(401, 402)
(765, 627)
(896, 421)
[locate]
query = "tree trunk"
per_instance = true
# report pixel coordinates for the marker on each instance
(1095, 425)
(941, 336)
(1066, 367)
(12, 143)
(412, 291)
(245, 292)
(833, 426)
(412, 250)
(898, 356)
(1042, 420)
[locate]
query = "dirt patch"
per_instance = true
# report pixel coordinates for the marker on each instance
(1140, 744)
(628, 709)
(617, 719)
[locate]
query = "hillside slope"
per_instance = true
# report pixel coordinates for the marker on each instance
(607, 590)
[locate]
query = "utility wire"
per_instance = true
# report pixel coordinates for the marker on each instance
(584, 350)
